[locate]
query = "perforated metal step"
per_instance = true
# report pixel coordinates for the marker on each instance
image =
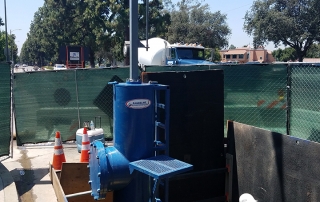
(160, 167)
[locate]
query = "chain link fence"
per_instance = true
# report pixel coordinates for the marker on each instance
(257, 95)
(5, 100)
(253, 94)
(304, 101)
(50, 101)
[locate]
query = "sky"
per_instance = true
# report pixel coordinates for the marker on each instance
(20, 14)
(235, 11)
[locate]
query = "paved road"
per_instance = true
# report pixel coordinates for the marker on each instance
(29, 169)
(24, 69)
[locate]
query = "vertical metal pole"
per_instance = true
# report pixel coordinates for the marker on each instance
(77, 95)
(12, 110)
(289, 97)
(67, 54)
(5, 16)
(147, 24)
(11, 44)
(134, 40)
(11, 83)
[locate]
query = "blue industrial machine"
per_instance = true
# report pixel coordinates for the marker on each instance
(134, 167)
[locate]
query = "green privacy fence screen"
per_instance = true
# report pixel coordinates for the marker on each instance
(305, 96)
(253, 94)
(5, 108)
(50, 101)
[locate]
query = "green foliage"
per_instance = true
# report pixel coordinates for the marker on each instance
(285, 55)
(118, 24)
(12, 46)
(232, 47)
(101, 25)
(289, 54)
(314, 51)
(212, 55)
(193, 22)
(1, 22)
(277, 54)
(59, 23)
(2, 46)
(159, 20)
(293, 23)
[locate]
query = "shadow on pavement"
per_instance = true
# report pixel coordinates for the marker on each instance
(26, 179)
(5, 177)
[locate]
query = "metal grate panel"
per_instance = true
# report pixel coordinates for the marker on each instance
(160, 166)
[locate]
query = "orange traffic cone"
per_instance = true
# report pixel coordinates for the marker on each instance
(58, 156)
(85, 146)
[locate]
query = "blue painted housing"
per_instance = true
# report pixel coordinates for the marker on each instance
(193, 62)
(134, 119)
(134, 135)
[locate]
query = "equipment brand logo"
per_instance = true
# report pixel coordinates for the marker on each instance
(138, 103)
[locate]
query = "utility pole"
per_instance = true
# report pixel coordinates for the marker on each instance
(12, 43)
(134, 40)
(5, 19)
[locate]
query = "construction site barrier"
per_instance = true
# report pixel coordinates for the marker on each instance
(5, 115)
(278, 97)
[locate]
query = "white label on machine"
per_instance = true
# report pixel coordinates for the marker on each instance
(138, 103)
(74, 55)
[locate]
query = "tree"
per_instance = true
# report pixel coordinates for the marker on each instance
(1, 22)
(101, 25)
(314, 51)
(193, 22)
(232, 47)
(118, 24)
(293, 23)
(41, 44)
(289, 54)
(60, 23)
(277, 54)
(212, 55)
(2, 46)
(2, 42)
(285, 55)
(158, 20)
(13, 49)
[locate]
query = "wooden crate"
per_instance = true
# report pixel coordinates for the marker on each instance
(73, 178)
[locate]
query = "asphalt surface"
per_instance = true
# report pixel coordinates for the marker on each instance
(25, 176)
(25, 69)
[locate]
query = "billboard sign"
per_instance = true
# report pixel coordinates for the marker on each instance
(74, 56)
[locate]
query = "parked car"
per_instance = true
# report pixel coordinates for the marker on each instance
(24, 65)
(59, 67)
(253, 62)
(16, 65)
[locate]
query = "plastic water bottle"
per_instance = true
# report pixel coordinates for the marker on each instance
(91, 125)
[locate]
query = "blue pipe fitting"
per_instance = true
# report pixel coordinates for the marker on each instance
(108, 170)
